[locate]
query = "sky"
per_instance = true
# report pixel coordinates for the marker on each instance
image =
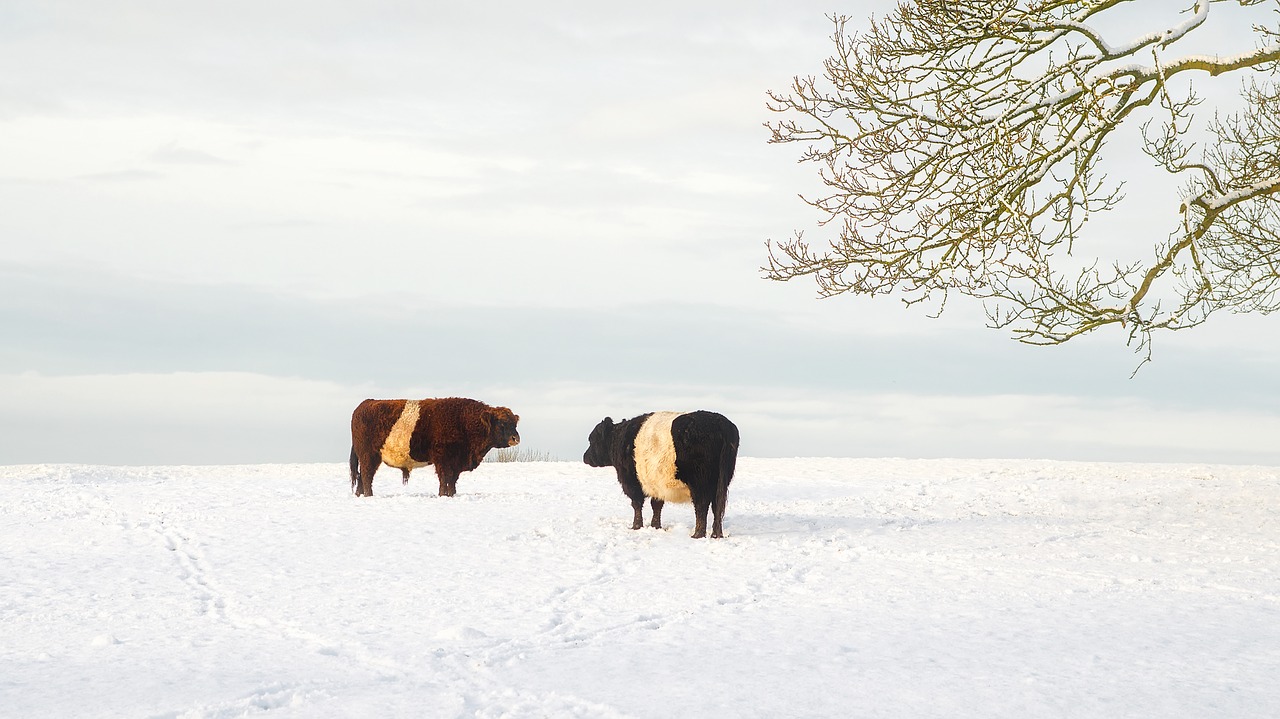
(223, 225)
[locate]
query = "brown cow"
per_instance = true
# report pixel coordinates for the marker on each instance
(453, 433)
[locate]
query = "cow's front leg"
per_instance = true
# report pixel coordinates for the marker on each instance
(656, 503)
(405, 476)
(448, 486)
(637, 505)
(448, 479)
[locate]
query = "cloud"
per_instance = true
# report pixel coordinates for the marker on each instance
(239, 417)
(70, 320)
(808, 421)
(123, 176)
(172, 418)
(172, 154)
(560, 203)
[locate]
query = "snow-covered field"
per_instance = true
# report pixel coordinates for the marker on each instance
(846, 588)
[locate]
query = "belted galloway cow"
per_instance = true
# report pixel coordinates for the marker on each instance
(670, 457)
(453, 433)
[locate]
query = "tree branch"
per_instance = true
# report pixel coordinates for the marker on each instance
(960, 140)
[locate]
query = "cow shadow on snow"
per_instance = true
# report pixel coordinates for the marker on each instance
(676, 523)
(800, 524)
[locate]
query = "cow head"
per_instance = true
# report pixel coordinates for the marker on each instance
(599, 443)
(502, 427)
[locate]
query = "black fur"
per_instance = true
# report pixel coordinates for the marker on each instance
(706, 446)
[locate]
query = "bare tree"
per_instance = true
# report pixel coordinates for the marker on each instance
(960, 144)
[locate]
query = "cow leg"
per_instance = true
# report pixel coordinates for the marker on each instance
(448, 475)
(368, 465)
(637, 505)
(405, 476)
(657, 512)
(700, 507)
(717, 514)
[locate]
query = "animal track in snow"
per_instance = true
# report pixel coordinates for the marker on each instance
(260, 701)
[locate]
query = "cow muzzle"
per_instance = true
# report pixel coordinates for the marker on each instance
(513, 440)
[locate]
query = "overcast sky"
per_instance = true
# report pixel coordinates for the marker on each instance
(224, 224)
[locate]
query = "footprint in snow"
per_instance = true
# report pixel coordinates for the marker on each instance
(460, 634)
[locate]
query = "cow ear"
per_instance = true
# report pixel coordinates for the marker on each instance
(486, 418)
(607, 421)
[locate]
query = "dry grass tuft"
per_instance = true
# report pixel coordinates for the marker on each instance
(519, 454)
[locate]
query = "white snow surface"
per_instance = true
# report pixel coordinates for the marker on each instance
(845, 588)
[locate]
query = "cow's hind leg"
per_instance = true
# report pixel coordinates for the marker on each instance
(717, 516)
(657, 512)
(404, 479)
(717, 512)
(368, 466)
(355, 469)
(637, 505)
(700, 506)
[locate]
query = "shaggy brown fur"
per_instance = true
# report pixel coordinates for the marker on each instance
(453, 433)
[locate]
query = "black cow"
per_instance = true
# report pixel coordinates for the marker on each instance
(670, 457)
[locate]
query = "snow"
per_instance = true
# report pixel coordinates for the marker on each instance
(845, 588)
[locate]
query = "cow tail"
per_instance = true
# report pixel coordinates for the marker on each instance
(355, 469)
(728, 463)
